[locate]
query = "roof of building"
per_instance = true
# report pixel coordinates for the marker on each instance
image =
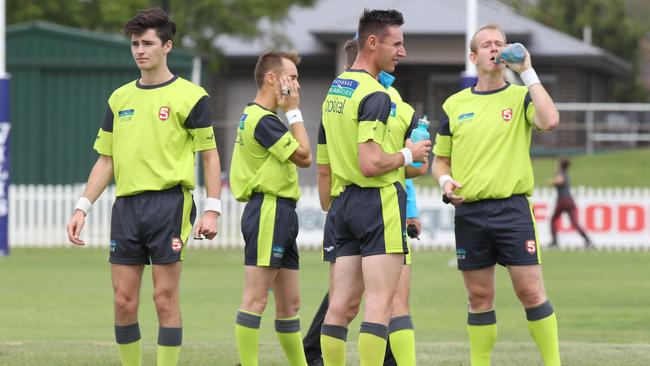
(312, 31)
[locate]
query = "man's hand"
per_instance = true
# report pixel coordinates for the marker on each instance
(288, 95)
(420, 149)
(415, 222)
(520, 67)
(448, 190)
(74, 227)
(207, 225)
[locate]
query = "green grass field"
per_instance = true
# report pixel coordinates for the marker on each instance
(56, 309)
(593, 171)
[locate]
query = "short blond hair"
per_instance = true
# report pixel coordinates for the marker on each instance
(472, 43)
(272, 61)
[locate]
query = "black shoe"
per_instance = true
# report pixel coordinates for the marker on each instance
(588, 244)
(553, 244)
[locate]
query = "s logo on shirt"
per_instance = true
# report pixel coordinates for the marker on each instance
(163, 113)
(506, 114)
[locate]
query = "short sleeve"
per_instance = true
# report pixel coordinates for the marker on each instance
(373, 114)
(199, 125)
(271, 133)
(322, 155)
(104, 141)
(442, 145)
(529, 108)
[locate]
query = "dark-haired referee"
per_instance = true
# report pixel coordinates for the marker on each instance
(370, 247)
(152, 129)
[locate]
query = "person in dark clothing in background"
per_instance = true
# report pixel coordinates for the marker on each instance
(565, 203)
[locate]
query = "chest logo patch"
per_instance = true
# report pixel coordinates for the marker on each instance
(163, 113)
(126, 115)
(465, 116)
(343, 87)
(506, 114)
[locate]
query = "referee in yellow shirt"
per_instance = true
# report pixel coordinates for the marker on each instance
(152, 130)
(482, 162)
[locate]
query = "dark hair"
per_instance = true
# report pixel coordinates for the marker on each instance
(376, 21)
(272, 61)
(155, 18)
(351, 49)
(564, 164)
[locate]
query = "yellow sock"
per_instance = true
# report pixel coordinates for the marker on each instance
(542, 325)
(247, 335)
(482, 329)
(402, 340)
(288, 331)
(372, 344)
(131, 353)
(129, 344)
(169, 346)
(332, 344)
(168, 355)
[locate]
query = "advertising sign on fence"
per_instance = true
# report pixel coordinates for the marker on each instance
(614, 218)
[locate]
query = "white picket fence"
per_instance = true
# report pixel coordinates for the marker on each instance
(614, 218)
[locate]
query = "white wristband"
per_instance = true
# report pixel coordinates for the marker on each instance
(529, 77)
(408, 156)
(443, 180)
(84, 205)
(294, 116)
(212, 204)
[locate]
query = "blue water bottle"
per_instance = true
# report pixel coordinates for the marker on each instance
(513, 53)
(421, 133)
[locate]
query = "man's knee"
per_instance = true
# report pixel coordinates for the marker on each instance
(531, 295)
(288, 307)
(165, 299)
(345, 311)
(125, 304)
(481, 298)
(255, 302)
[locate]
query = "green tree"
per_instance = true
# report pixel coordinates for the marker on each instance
(612, 30)
(199, 22)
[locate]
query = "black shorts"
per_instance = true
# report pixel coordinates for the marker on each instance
(496, 231)
(329, 237)
(151, 227)
(371, 221)
(270, 227)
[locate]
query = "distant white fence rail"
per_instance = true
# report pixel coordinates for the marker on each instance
(621, 124)
(614, 218)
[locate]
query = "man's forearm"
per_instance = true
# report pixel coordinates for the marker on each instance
(211, 173)
(324, 186)
(100, 177)
(546, 115)
(441, 166)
